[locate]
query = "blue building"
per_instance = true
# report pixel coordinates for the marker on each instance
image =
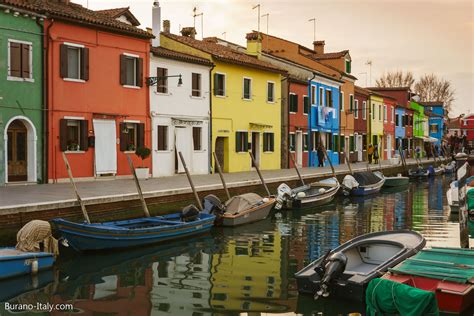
(324, 117)
(435, 113)
(399, 126)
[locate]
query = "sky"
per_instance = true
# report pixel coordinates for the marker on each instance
(422, 36)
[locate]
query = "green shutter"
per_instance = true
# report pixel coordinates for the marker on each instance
(237, 142)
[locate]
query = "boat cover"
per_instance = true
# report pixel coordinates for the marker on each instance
(448, 264)
(35, 232)
(366, 178)
(242, 202)
(388, 297)
(470, 199)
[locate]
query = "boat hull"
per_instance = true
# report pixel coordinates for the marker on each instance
(396, 181)
(367, 190)
(85, 237)
(255, 214)
(14, 262)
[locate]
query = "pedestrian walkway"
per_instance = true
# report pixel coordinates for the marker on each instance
(48, 196)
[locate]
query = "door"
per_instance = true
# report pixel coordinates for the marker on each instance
(17, 152)
(220, 153)
(183, 144)
(105, 147)
(389, 146)
(299, 148)
(359, 147)
(256, 147)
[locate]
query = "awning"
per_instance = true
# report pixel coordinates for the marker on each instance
(427, 139)
(260, 125)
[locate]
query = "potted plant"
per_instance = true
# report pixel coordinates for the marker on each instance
(143, 153)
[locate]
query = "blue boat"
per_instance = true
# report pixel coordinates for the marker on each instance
(14, 262)
(132, 233)
(363, 183)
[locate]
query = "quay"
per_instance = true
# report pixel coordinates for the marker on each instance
(118, 199)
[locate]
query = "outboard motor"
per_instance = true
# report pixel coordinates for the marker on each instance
(212, 205)
(190, 213)
(283, 196)
(431, 170)
(333, 269)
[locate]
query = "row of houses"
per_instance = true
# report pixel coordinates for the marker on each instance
(94, 85)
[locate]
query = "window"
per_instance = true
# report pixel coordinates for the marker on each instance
(131, 71)
(270, 91)
(162, 82)
(268, 142)
(292, 141)
(74, 62)
(219, 85)
(348, 66)
(247, 93)
(73, 135)
(329, 143)
(241, 141)
(131, 136)
(434, 128)
(20, 60)
(373, 111)
(385, 112)
(356, 109)
(305, 104)
(321, 96)
(351, 103)
(305, 141)
(392, 113)
(313, 95)
(197, 138)
(196, 85)
(293, 103)
(364, 110)
(315, 140)
(162, 137)
(336, 143)
(397, 119)
(329, 98)
(342, 141)
(341, 100)
(380, 112)
(351, 143)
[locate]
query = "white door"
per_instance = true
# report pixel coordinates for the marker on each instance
(183, 143)
(299, 149)
(256, 148)
(359, 147)
(105, 147)
(389, 146)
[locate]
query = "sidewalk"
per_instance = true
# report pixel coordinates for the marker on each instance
(50, 196)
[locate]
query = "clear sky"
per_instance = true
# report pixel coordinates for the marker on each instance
(424, 36)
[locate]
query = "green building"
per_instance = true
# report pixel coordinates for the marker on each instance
(418, 125)
(21, 97)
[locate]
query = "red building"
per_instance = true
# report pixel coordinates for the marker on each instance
(361, 117)
(389, 127)
(467, 128)
(298, 122)
(97, 96)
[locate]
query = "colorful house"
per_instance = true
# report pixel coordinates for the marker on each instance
(418, 126)
(361, 119)
(21, 96)
(399, 126)
(245, 102)
(436, 126)
(376, 133)
(389, 127)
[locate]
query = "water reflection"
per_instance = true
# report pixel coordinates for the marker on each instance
(247, 269)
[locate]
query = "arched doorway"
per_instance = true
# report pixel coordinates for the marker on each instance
(20, 156)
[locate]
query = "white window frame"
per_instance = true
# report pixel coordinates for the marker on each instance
(263, 141)
(305, 136)
(274, 88)
(168, 147)
(200, 86)
(364, 110)
(289, 107)
(225, 85)
(332, 97)
(79, 80)
(9, 76)
(323, 98)
(351, 96)
(342, 101)
(309, 107)
(243, 131)
(201, 142)
(385, 113)
(289, 143)
(393, 114)
(243, 89)
(314, 96)
(135, 86)
(356, 108)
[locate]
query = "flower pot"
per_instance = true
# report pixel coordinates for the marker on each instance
(142, 173)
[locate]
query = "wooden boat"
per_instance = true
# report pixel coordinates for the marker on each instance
(345, 271)
(448, 272)
(14, 262)
(450, 167)
(452, 196)
(397, 181)
(132, 233)
(314, 194)
(418, 173)
(363, 183)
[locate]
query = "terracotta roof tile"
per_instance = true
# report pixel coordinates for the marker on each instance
(76, 13)
(117, 12)
(361, 90)
(333, 55)
(171, 54)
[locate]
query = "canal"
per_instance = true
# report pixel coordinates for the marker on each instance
(238, 270)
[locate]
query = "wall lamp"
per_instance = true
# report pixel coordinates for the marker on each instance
(151, 81)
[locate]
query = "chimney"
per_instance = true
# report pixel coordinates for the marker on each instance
(166, 26)
(318, 47)
(189, 32)
(254, 44)
(156, 24)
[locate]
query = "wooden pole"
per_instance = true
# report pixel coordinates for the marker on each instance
(326, 155)
(219, 170)
(78, 197)
(137, 184)
(296, 168)
(259, 173)
(348, 163)
(196, 196)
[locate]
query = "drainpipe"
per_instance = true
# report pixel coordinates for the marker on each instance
(310, 113)
(285, 128)
(210, 118)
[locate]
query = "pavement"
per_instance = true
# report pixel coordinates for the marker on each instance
(15, 198)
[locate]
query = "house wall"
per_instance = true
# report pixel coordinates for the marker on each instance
(376, 122)
(360, 124)
(399, 128)
(298, 121)
(389, 129)
(102, 96)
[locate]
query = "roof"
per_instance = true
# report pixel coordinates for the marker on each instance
(454, 123)
(432, 114)
(376, 93)
(432, 103)
(224, 53)
(75, 13)
(390, 88)
(171, 54)
(333, 55)
(361, 90)
(118, 12)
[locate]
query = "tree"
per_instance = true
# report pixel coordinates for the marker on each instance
(431, 88)
(396, 79)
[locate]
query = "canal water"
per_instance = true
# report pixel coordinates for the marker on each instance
(245, 270)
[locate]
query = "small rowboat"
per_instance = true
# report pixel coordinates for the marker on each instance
(450, 167)
(314, 194)
(132, 233)
(418, 173)
(397, 181)
(246, 208)
(363, 183)
(14, 262)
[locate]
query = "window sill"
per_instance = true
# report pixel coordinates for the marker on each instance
(199, 151)
(131, 87)
(163, 151)
(161, 93)
(129, 152)
(221, 96)
(241, 152)
(247, 100)
(74, 80)
(19, 79)
(271, 102)
(196, 98)
(292, 112)
(268, 152)
(74, 152)
(305, 114)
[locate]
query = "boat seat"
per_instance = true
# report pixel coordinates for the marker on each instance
(322, 184)
(362, 268)
(10, 252)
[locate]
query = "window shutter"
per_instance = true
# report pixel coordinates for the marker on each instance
(123, 70)
(237, 141)
(85, 64)
(215, 83)
(25, 60)
(140, 135)
(84, 124)
(246, 141)
(296, 102)
(272, 142)
(15, 59)
(63, 61)
(123, 137)
(63, 134)
(140, 72)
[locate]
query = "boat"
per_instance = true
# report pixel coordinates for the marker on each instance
(450, 167)
(363, 183)
(435, 171)
(134, 232)
(452, 196)
(345, 271)
(397, 181)
(418, 173)
(14, 262)
(448, 272)
(314, 194)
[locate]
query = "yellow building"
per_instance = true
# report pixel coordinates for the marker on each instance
(245, 103)
(376, 121)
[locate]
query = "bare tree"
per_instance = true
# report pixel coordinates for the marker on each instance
(431, 88)
(396, 79)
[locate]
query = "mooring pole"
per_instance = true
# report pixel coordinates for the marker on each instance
(196, 196)
(326, 155)
(137, 184)
(219, 170)
(259, 173)
(296, 168)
